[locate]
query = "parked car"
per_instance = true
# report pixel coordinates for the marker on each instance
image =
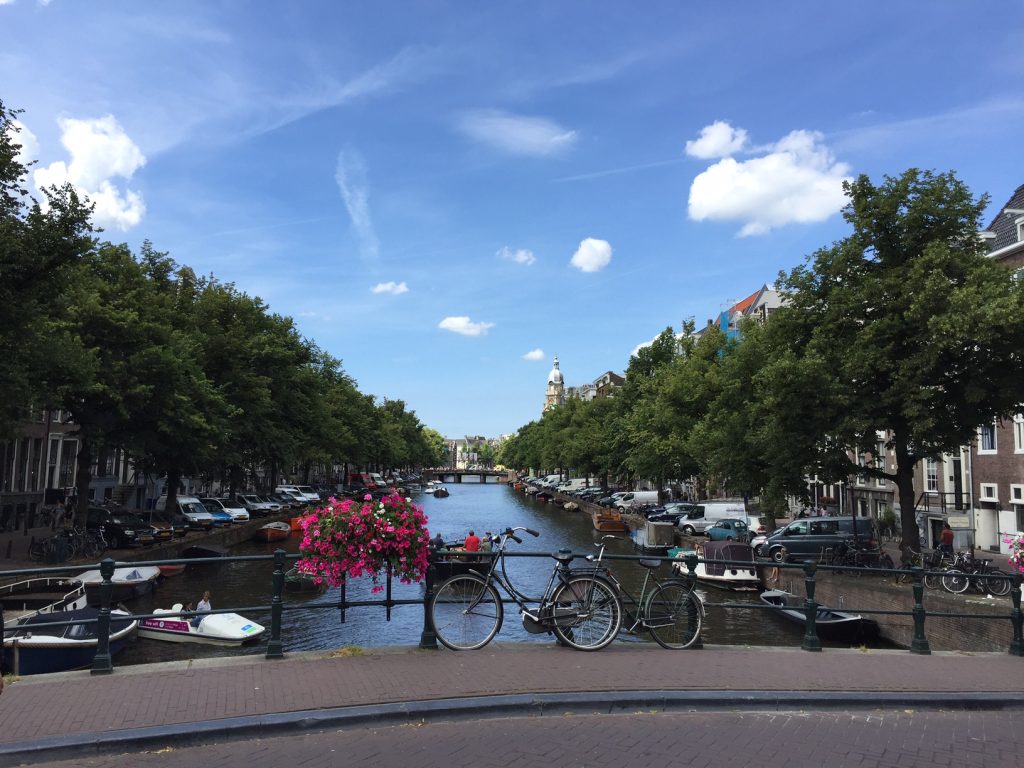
(120, 529)
(171, 524)
(237, 510)
(258, 506)
(811, 538)
(671, 512)
(730, 529)
(221, 517)
(708, 513)
(192, 508)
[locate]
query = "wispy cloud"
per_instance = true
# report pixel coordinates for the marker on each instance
(464, 326)
(350, 177)
(395, 289)
(592, 256)
(519, 256)
(617, 171)
(517, 134)
(534, 354)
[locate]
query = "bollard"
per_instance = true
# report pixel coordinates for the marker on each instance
(101, 663)
(919, 644)
(428, 638)
(691, 582)
(274, 648)
(811, 641)
(1017, 644)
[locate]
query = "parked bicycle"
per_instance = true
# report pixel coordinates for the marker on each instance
(580, 606)
(854, 555)
(969, 571)
(671, 611)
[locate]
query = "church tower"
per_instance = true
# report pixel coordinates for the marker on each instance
(556, 389)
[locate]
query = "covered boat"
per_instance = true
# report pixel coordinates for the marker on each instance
(197, 551)
(213, 628)
(128, 583)
(273, 532)
(829, 623)
(715, 568)
(33, 650)
(610, 521)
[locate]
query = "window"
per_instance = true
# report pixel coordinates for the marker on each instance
(824, 527)
(880, 464)
(931, 473)
(989, 492)
(1018, 433)
(1017, 494)
(987, 438)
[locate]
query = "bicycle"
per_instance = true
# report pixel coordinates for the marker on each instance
(671, 612)
(981, 574)
(581, 607)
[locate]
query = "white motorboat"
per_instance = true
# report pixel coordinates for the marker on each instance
(127, 583)
(32, 650)
(725, 575)
(213, 629)
(40, 595)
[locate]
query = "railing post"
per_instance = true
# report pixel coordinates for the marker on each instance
(1017, 644)
(811, 641)
(274, 647)
(919, 644)
(101, 663)
(342, 599)
(691, 581)
(387, 595)
(428, 638)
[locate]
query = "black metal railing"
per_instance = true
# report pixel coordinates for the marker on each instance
(103, 664)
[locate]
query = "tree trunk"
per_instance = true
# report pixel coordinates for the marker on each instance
(173, 478)
(305, 472)
(905, 488)
(235, 479)
(82, 480)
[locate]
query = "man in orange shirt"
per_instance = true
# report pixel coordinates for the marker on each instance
(472, 543)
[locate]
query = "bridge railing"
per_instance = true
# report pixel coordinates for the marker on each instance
(103, 664)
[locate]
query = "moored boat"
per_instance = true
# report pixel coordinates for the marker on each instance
(212, 629)
(296, 522)
(273, 532)
(167, 571)
(829, 623)
(33, 650)
(127, 583)
(295, 581)
(204, 550)
(610, 521)
(40, 595)
(711, 571)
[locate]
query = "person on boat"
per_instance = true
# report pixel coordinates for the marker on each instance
(486, 542)
(946, 539)
(203, 608)
(472, 543)
(437, 543)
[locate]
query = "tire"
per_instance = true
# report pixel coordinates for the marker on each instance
(689, 530)
(997, 583)
(466, 612)
(672, 616)
(933, 580)
(955, 582)
(778, 554)
(599, 613)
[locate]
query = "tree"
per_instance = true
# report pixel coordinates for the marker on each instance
(903, 328)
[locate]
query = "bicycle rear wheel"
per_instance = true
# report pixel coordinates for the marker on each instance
(955, 581)
(933, 580)
(595, 613)
(672, 615)
(466, 612)
(996, 583)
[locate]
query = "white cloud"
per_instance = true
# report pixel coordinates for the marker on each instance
(350, 177)
(534, 354)
(798, 180)
(592, 255)
(463, 325)
(520, 256)
(19, 133)
(395, 289)
(717, 140)
(100, 150)
(517, 134)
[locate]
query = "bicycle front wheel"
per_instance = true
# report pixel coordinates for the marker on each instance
(997, 583)
(955, 582)
(673, 616)
(588, 613)
(933, 579)
(466, 612)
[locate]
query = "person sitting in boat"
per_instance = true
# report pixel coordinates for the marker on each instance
(486, 542)
(472, 543)
(204, 607)
(437, 543)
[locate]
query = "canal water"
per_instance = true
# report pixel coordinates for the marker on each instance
(313, 622)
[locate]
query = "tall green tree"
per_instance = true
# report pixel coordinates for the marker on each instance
(904, 327)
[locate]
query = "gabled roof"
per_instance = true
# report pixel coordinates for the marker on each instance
(1003, 226)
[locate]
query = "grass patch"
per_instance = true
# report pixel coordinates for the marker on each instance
(346, 650)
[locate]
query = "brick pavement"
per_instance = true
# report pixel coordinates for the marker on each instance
(212, 690)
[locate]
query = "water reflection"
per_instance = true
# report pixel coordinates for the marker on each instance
(312, 621)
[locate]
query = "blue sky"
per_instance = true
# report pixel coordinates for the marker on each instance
(436, 190)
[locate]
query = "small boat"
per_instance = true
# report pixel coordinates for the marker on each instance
(441, 492)
(204, 550)
(829, 623)
(167, 571)
(40, 595)
(295, 581)
(34, 651)
(725, 575)
(213, 629)
(296, 522)
(128, 583)
(273, 532)
(609, 521)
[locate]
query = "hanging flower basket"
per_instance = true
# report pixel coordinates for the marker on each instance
(358, 538)
(1016, 542)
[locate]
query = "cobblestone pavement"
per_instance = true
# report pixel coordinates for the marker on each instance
(902, 739)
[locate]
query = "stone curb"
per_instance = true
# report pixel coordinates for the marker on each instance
(483, 707)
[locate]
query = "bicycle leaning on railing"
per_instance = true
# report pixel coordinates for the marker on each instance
(580, 607)
(671, 611)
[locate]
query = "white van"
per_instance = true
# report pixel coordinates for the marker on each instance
(193, 510)
(708, 513)
(637, 499)
(301, 492)
(577, 484)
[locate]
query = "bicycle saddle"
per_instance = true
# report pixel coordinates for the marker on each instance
(652, 564)
(564, 556)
